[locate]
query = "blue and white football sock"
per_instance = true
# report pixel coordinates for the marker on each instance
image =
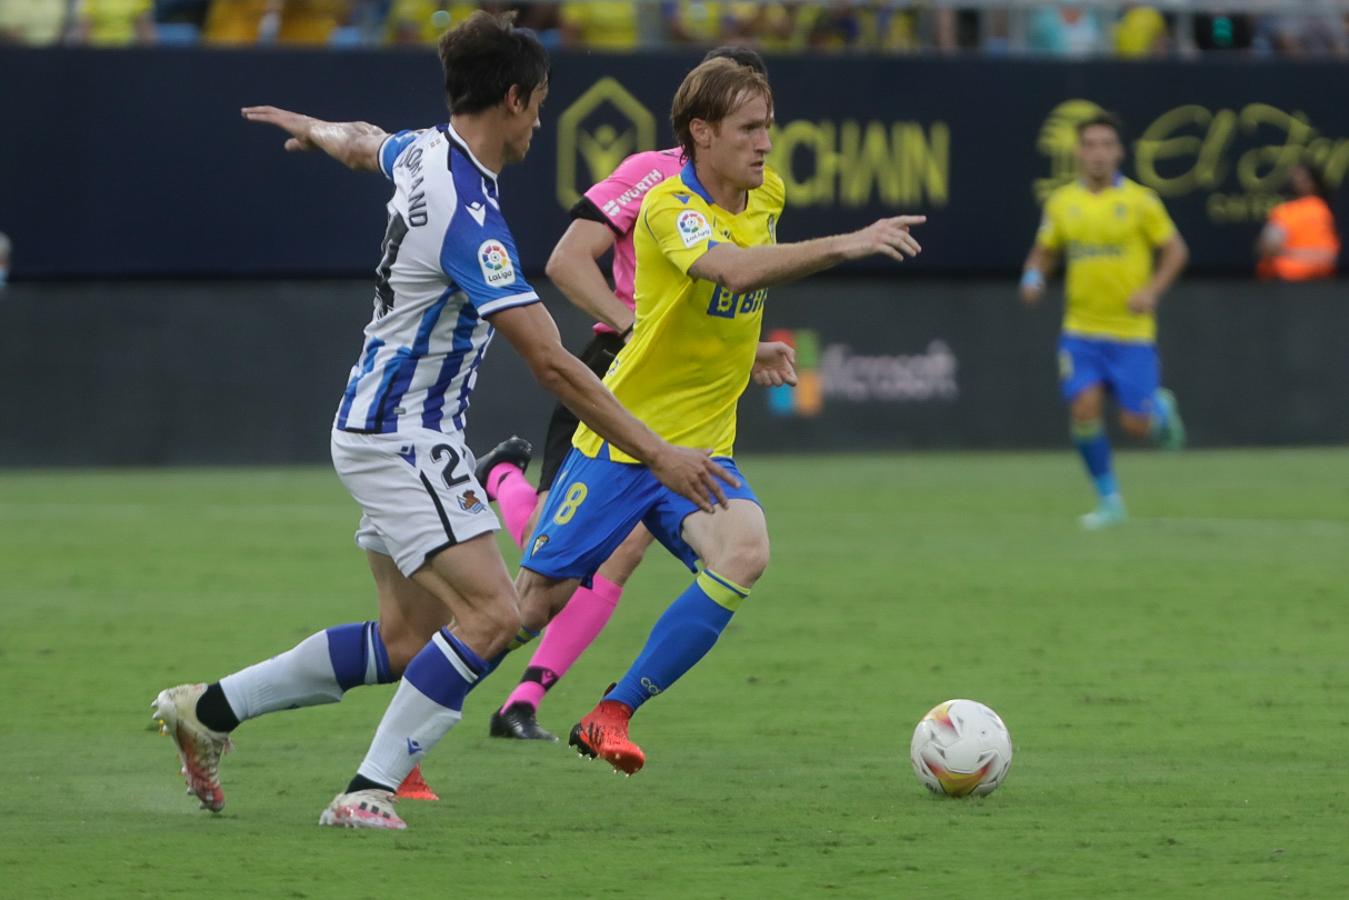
(428, 703)
(320, 669)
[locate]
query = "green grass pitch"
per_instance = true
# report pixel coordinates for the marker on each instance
(1176, 692)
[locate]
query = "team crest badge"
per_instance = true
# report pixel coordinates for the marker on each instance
(538, 543)
(469, 502)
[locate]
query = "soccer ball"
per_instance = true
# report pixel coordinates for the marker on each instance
(961, 748)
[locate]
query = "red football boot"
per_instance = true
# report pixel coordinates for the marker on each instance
(414, 787)
(604, 734)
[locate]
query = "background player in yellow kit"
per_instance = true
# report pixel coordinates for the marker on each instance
(1109, 229)
(706, 254)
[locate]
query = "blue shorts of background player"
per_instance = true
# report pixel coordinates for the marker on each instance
(1090, 368)
(594, 505)
(1130, 370)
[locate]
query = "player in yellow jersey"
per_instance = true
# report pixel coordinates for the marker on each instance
(1109, 229)
(706, 253)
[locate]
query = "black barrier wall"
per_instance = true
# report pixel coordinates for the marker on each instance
(136, 162)
(252, 373)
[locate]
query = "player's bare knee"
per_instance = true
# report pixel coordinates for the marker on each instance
(744, 559)
(541, 597)
(1086, 406)
(490, 628)
(1085, 412)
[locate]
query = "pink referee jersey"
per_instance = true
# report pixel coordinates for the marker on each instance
(619, 199)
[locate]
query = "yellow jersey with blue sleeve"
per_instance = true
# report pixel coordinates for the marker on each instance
(694, 342)
(1107, 240)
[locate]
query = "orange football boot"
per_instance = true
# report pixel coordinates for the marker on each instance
(414, 787)
(603, 734)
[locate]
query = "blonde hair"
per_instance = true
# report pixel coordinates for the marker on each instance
(711, 92)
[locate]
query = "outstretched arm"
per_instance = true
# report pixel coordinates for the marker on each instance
(741, 269)
(353, 144)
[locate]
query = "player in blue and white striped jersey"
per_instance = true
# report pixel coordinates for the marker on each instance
(448, 278)
(449, 263)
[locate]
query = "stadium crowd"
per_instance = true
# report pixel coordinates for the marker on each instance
(1318, 28)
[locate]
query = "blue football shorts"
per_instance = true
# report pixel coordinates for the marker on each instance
(595, 503)
(1129, 370)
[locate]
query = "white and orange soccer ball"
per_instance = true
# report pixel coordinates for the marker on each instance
(961, 748)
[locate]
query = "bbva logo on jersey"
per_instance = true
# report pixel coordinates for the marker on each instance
(497, 269)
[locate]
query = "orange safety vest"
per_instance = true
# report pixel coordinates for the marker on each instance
(1310, 247)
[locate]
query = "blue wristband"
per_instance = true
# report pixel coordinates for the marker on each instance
(1031, 278)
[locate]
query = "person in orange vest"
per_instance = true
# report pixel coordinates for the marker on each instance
(1299, 242)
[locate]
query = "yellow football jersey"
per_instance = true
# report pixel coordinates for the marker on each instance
(693, 346)
(1107, 240)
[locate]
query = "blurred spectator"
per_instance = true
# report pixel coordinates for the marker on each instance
(838, 26)
(236, 21)
(770, 26)
(1071, 29)
(280, 21)
(898, 28)
(1223, 31)
(1303, 34)
(4, 258)
(957, 29)
(1141, 32)
(600, 25)
(693, 21)
(544, 20)
(1299, 242)
(182, 12)
(310, 21)
(37, 22)
(114, 23)
(1068, 30)
(423, 21)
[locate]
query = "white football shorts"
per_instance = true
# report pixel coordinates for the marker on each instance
(416, 490)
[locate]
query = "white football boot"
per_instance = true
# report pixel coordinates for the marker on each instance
(371, 808)
(199, 747)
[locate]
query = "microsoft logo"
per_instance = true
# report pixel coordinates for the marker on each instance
(806, 399)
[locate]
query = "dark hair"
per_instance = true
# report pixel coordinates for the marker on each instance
(484, 56)
(1102, 119)
(710, 92)
(745, 56)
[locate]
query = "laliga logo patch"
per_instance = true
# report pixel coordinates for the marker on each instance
(469, 502)
(693, 228)
(497, 269)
